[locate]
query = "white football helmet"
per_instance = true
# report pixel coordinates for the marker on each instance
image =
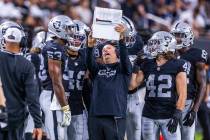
(183, 33)
(160, 42)
(79, 36)
(39, 40)
(3, 27)
(146, 52)
(61, 26)
(130, 33)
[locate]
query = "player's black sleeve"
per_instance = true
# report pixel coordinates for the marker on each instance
(90, 61)
(32, 96)
(86, 94)
(54, 52)
(203, 56)
(36, 61)
(182, 66)
(124, 60)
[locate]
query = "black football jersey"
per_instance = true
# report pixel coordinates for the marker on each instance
(35, 59)
(193, 55)
(161, 96)
(76, 72)
(54, 51)
(97, 51)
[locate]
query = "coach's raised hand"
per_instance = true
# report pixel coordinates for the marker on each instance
(121, 29)
(91, 41)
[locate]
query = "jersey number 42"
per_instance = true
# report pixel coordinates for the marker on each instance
(163, 90)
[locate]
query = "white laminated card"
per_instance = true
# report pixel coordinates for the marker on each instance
(104, 22)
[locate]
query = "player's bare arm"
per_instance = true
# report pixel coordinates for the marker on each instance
(181, 86)
(2, 98)
(56, 76)
(201, 81)
(136, 80)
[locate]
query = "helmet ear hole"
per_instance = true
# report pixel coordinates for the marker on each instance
(3, 41)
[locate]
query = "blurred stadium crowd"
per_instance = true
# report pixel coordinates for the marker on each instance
(148, 15)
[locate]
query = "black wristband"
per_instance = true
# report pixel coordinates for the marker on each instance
(121, 42)
(133, 91)
(135, 69)
(177, 114)
(2, 107)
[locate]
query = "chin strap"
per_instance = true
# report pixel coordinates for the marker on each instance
(76, 49)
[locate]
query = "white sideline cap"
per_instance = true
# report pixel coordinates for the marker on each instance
(13, 35)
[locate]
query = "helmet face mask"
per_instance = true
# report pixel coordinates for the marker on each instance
(183, 33)
(153, 47)
(130, 40)
(180, 37)
(76, 42)
(79, 36)
(100, 41)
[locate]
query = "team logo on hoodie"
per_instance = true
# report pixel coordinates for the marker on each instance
(108, 72)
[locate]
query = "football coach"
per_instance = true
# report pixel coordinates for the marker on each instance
(110, 88)
(19, 86)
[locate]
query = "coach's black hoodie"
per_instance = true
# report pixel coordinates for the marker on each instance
(110, 84)
(20, 89)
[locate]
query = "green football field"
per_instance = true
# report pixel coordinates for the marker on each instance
(198, 136)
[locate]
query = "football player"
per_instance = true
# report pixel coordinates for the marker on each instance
(166, 88)
(35, 52)
(57, 111)
(34, 56)
(76, 72)
(196, 76)
(136, 97)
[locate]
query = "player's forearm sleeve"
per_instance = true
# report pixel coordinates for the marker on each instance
(86, 92)
(91, 63)
(32, 97)
(124, 60)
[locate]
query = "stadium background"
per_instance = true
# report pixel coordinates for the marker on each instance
(148, 15)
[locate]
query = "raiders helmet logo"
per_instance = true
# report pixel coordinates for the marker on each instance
(57, 24)
(11, 36)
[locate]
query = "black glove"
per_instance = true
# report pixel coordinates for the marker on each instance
(135, 69)
(173, 123)
(189, 118)
(3, 114)
(140, 58)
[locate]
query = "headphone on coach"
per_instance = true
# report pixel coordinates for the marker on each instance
(24, 40)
